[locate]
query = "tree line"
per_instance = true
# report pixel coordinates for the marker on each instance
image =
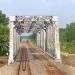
(3, 18)
(33, 37)
(4, 34)
(67, 38)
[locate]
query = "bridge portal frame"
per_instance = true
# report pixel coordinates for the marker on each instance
(14, 42)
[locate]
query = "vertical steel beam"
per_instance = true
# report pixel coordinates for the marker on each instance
(11, 41)
(44, 40)
(38, 39)
(56, 39)
(41, 33)
(14, 41)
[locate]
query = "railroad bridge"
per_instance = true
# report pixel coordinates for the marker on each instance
(46, 28)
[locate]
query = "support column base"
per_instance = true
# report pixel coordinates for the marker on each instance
(58, 61)
(10, 61)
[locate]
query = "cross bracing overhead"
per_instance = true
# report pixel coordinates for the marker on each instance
(32, 23)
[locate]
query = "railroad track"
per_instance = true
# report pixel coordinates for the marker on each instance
(24, 67)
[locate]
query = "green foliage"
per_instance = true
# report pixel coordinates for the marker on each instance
(62, 34)
(33, 38)
(4, 34)
(70, 32)
(4, 39)
(67, 38)
(3, 18)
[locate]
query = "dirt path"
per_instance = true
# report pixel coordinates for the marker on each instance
(69, 60)
(3, 60)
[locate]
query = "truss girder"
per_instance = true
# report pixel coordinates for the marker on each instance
(32, 23)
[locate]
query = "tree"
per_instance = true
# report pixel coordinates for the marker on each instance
(70, 32)
(33, 37)
(3, 18)
(4, 39)
(67, 38)
(62, 34)
(4, 34)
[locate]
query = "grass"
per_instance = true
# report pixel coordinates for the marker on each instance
(68, 47)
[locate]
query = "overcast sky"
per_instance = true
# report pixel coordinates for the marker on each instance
(65, 9)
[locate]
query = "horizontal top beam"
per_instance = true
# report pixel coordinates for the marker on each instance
(32, 23)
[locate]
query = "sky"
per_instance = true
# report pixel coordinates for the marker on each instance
(64, 9)
(26, 34)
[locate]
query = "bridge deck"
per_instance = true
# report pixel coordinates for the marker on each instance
(38, 62)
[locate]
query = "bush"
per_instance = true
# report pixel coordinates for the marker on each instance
(4, 39)
(67, 38)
